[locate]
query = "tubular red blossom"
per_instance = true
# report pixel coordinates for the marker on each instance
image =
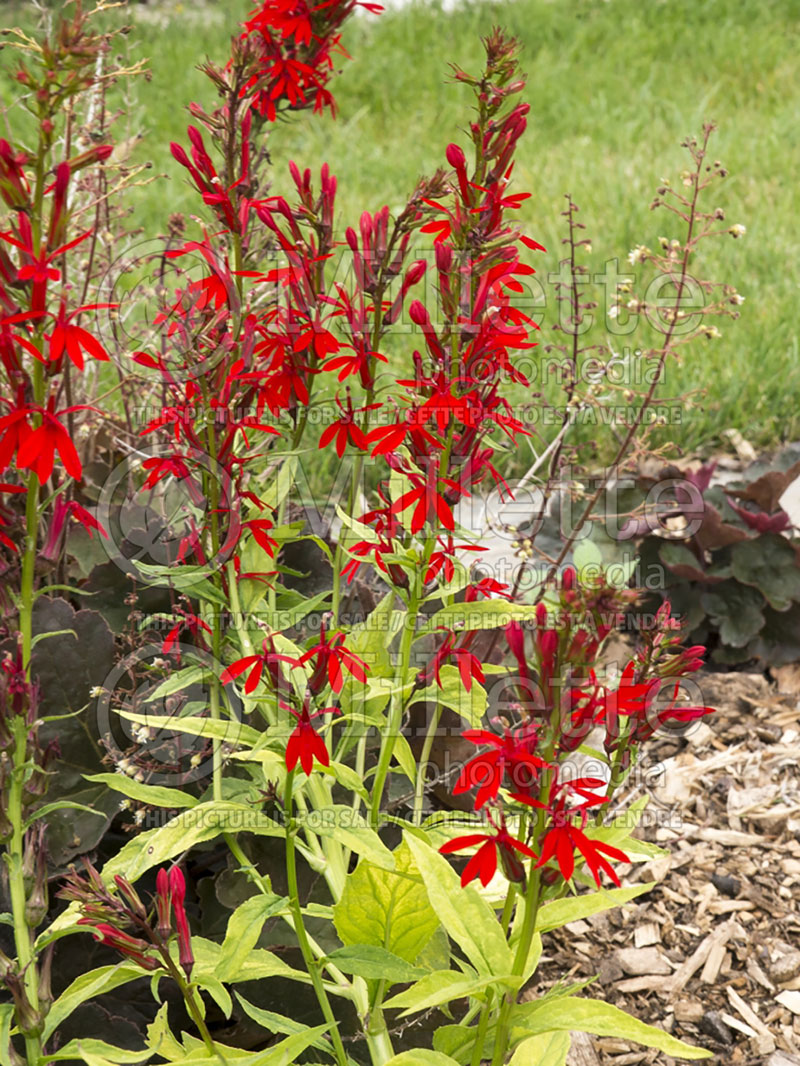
(483, 863)
(512, 755)
(305, 744)
(331, 659)
(177, 887)
(162, 901)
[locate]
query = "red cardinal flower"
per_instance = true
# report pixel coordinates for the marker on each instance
(331, 658)
(345, 429)
(485, 771)
(75, 340)
(305, 744)
(256, 664)
(483, 863)
(566, 833)
(37, 447)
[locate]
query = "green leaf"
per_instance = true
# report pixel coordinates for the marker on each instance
(768, 562)
(87, 986)
(178, 681)
(486, 614)
(255, 966)
(404, 757)
(375, 963)
(386, 908)
(347, 778)
(75, 1048)
(232, 732)
(6, 1020)
(287, 1052)
(569, 1013)
(547, 1049)
(280, 486)
(351, 829)
(443, 986)
(470, 705)
(203, 822)
(154, 795)
(278, 1023)
(559, 912)
(218, 992)
(61, 805)
(243, 931)
(287, 617)
(465, 915)
(587, 554)
(52, 633)
(421, 1057)
(160, 1038)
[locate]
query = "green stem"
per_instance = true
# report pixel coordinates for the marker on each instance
(395, 719)
(23, 941)
(480, 1039)
(532, 900)
(419, 788)
(312, 964)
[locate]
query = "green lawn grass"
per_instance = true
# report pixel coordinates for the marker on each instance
(614, 86)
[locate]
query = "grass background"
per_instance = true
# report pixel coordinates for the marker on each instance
(614, 86)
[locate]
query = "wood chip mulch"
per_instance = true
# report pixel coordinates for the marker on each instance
(712, 953)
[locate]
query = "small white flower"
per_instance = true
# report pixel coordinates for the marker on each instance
(613, 311)
(737, 230)
(737, 298)
(138, 816)
(96, 692)
(635, 255)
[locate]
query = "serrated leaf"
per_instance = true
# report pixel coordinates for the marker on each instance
(89, 1045)
(485, 614)
(160, 1038)
(255, 966)
(6, 1020)
(203, 822)
(61, 805)
(769, 563)
(386, 908)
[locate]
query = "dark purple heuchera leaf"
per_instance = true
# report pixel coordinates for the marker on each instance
(768, 563)
(760, 521)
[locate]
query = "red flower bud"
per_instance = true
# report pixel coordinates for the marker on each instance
(455, 156)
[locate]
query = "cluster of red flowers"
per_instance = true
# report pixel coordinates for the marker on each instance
(295, 43)
(111, 916)
(36, 322)
(559, 700)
